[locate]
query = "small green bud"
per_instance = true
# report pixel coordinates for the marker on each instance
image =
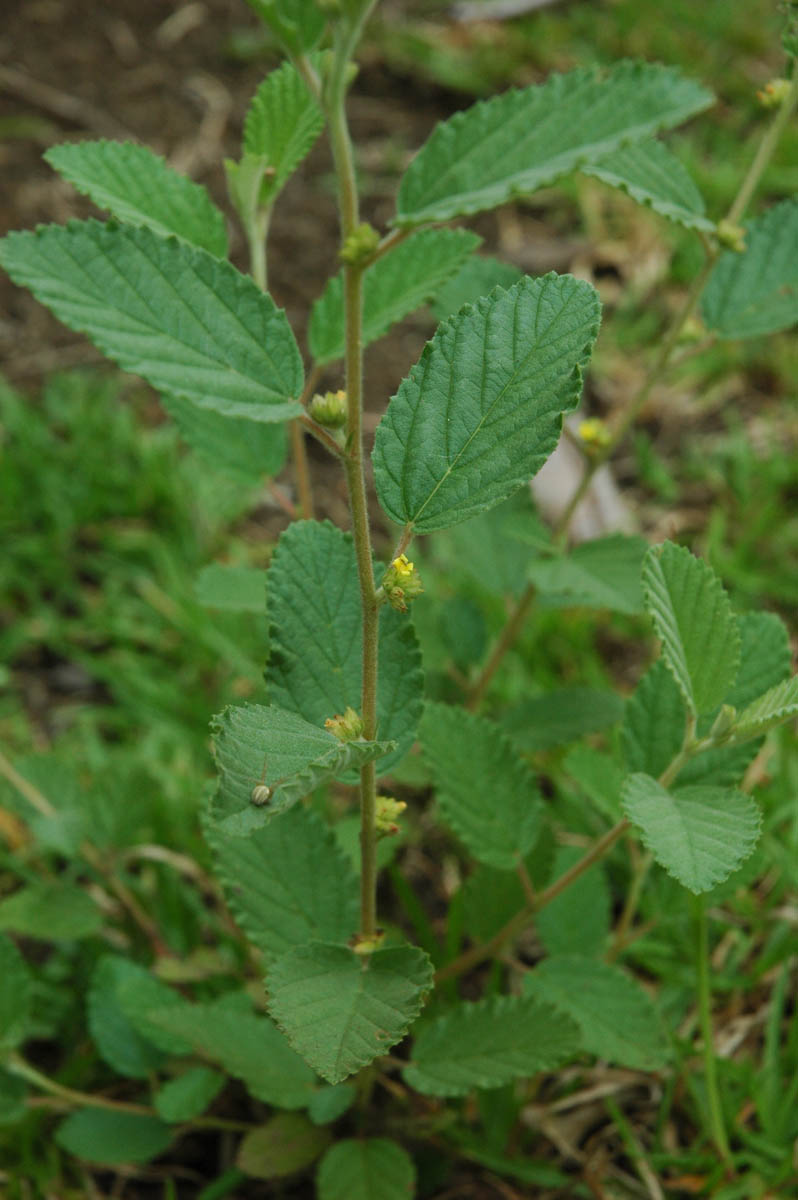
(330, 409)
(347, 726)
(366, 946)
(774, 93)
(361, 243)
(731, 236)
(401, 583)
(724, 722)
(693, 330)
(388, 810)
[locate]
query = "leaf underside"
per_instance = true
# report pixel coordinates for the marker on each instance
(651, 175)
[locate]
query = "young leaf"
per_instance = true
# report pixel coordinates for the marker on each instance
(651, 175)
(560, 716)
(603, 573)
(699, 834)
(248, 450)
(51, 911)
(617, 1020)
(298, 758)
(693, 617)
(482, 409)
(395, 285)
(282, 123)
(297, 24)
(339, 1009)
(315, 666)
(286, 1144)
(765, 657)
(189, 1095)
(100, 1135)
(366, 1169)
(118, 1041)
(248, 1047)
(15, 995)
(756, 292)
(490, 1043)
(186, 322)
(478, 276)
(654, 722)
(768, 711)
(288, 883)
(486, 793)
(238, 589)
(523, 140)
(139, 188)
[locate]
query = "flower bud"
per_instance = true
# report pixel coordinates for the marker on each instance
(595, 434)
(401, 583)
(361, 243)
(724, 723)
(330, 409)
(388, 810)
(774, 93)
(731, 236)
(365, 946)
(346, 726)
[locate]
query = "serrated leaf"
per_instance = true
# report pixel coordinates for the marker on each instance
(396, 284)
(297, 24)
(282, 123)
(602, 573)
(478, 276)
(599, 775)
(366, 1169)
(490, 1043)
(578, 920)
(288, 883)
(699, 834)
(117, 1040)
(286, 1144)
(99, 1135)
(139, 187)
(15, 995)
(756, 292)
(239, 589)
(136, 993)
(654, 722)
(768, 711)
(297, 758)
(249, 1047)
(765, 657)
(315, 652)
(651, 175)
(523, 140)
(51, 911)
(560, 716)
(482, 409)
(331, 1102)
(341, 1010)
(485, 792)
(693, 618)
(617, 1019)
(248, 450)
(189, 1095)
(186, 322)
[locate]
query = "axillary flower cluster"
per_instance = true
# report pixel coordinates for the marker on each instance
(401, 583)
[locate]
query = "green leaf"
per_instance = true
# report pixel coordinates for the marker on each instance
(315, 666)
(297, 758)
(479, 275)
(603, 573)
(693, 618)
(560, 716)
(339, 1009)
(297, 24)
(51, 911)
(396, 284)
(186, 322)
(286, 1144)
(486, 793)
(288, 883)
(331, 1102)
(765, 657)
(651, 175)
(491, 897)
(189, 1095)
(13, 1097)
(490, 1043)
(756, 292)
(599, 776)
(699, 834)
(99, 1135)
(490, 549)
(137, 992)
(366, 1169)
(15, 995)
(248, 1047)
(248, 450)
(282, 123)
(768, 711)
(482, 409)
(117, 1040)
(524, 140)
(138, 187)
(578, 920)
(239, 589)
(617, 1019)
(654, 722)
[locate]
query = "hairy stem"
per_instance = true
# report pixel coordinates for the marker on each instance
(301, 470)
(716, 1124)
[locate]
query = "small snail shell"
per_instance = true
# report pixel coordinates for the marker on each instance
(260, 795)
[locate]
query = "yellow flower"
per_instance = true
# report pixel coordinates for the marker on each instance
(594, 433)
(402, 566)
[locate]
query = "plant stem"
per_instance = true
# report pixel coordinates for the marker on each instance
(515, 623)
(764, 152)
(705, 1019)
(354, 467)
(257, 233)
(304, 486)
